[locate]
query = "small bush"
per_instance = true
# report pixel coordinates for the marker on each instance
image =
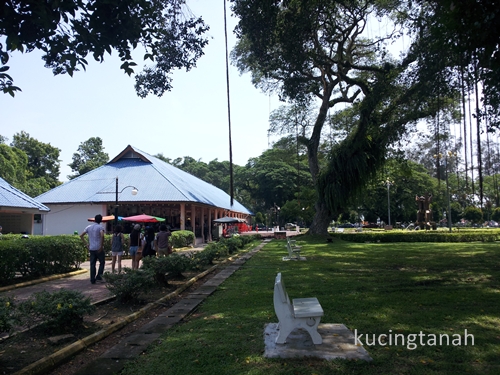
(232, 243)
(128, 285)
(210, 253)
(62, 310)
(164, 267)
(182, 238)
(158, 267)
(8, 316)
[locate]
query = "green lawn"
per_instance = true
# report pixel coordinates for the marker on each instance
(400, 288)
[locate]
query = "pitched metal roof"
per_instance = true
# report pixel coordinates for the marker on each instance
(155, 180)
(10, 197)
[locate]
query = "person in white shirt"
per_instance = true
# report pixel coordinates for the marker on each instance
(95, 244)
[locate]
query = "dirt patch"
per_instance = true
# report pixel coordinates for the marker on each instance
(26, 348)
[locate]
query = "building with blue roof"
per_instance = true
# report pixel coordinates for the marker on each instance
(184, 201)
(19, 213)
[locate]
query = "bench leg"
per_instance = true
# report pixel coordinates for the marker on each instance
(315, 336)
(308, 324)
(284, 331)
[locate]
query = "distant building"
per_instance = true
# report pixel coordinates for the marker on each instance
(185, 201)
(19, 213)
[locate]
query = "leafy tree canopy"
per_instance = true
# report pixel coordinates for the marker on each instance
(13, 162)
(466, 34)
(43, 161)
(67, 31)
(90, 155)
(318, 49)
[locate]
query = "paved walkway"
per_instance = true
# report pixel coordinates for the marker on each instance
(78, 281)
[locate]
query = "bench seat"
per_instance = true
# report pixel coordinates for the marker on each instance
(301, 313)
(306, 307)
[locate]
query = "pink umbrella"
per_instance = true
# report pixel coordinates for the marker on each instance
(143, 219)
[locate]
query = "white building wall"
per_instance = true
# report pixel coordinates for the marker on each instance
(66, 219)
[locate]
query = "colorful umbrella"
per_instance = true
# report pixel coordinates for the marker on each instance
(143, 219)
(104, 218)
(228, 220)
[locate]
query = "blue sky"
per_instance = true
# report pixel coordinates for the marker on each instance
(191, 120)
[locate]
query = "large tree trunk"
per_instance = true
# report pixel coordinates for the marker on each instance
(321, 221)
(322, 217)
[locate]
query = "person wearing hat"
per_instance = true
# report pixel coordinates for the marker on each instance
(135, 242)
(95, 245)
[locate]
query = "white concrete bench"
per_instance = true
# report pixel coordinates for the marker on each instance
(293, 249)
(302, 313)
(293, 243)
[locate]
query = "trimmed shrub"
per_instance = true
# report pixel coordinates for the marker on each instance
(39, 255)
(182, 238)
(128, 285)
(8, 316)
(210, 253)
(232, 243)
(61, 311)
(164, 267)
(421, 236)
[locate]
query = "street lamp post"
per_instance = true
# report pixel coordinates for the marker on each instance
(134, 192)
(389, 183)
(116, 192)
(277, 215)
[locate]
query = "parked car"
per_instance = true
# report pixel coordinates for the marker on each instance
(261, 227)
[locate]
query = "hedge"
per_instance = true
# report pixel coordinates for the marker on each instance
(36, 256)
(182, 238)
(420, 236)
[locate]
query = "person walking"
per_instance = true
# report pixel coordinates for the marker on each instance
(135, 242)
(149, 247)
(95, 244)
(117, 249)
(161, 241)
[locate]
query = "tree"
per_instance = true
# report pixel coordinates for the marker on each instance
(467, 31)
(67, 31)
(473, 214)
(278, 175)
(13, 162)
(317, 49)
(89, 156)
(407, 179)
(42, 170)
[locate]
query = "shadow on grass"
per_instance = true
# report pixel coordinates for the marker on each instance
(376, 289)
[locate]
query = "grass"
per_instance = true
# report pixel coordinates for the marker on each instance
(377, 289)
